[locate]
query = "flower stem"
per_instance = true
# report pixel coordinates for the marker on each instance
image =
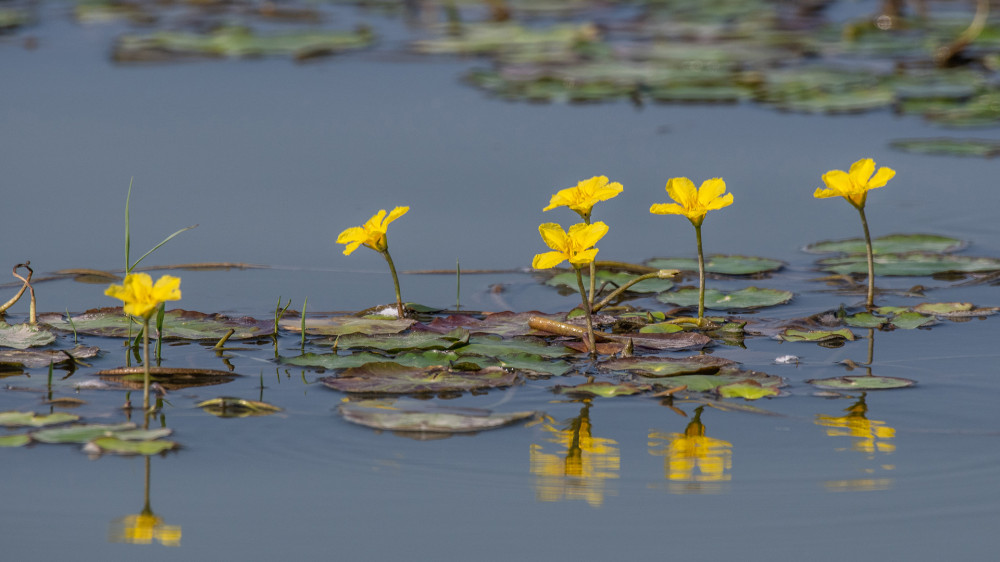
(659, 274)
(145, 364)
(586, 307)
(870, 302)
(701, 276)
(395, 281)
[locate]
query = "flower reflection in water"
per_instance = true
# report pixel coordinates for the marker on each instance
(144, 527)
(693, 463)
(870, 437)
(579, 470)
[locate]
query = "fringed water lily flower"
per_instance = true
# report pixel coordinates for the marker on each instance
(585, 195)
(373, 235)
(854, 186)
(142, 298)
(575, 246)
(695, 203)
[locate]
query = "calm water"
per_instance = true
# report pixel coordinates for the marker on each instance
(273, 159)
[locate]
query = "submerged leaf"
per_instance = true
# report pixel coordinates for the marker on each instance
(749, 298)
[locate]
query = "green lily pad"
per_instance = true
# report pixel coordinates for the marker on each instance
(230, 407)
(81, 433)
(500, 323)
(391, 378)
(912, 320)
(984, 110)
(493, 346)
(233, 41)
(505, 37)
(707, 383)
(604, 389)
(23, 336)
(520, 362)
(30, 419)
(171, 378)
(910, 265)
(661, 328)
(16, 440)
(861, 382)
(127, 447)
(721, 264)
(12, 18)
(344, 325)
(616, 278)
(953, 310)
(410, 341)
(34, 359)
(816, 336)
(748, 390)
(668, 366)
(177, 325)
(982, 148)
(863, 320)
(143, 434)
(751, 297)
(338, 361)
(891, 244)
(436, 420)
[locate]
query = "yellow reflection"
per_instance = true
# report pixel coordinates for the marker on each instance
(693, 462)
(870, 437)
(144, 527)
(578, 470)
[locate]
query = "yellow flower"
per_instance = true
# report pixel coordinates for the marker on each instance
(693, 203)
(141, 296)
(143, 528)
(854, 184)
(586, 193)
(574, 246)
(372, 233)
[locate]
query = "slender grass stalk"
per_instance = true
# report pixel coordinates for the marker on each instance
(701, 277)
(279, 312)
(591, 342)
(303, 325)
(69, 319)
(870, 301)
(395, 282)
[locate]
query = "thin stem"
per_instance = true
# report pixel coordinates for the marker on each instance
(591, 342)
(661, 274)
(701, 276)
(145, 364)
(593, 269)
(871, 349)
(870, 302)
(395, 281)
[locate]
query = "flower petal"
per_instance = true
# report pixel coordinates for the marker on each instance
(547, 260)
(666, 209)
(720, 202)
(584, 257)
(861, 171)
(554, 236)
(683, 191)
(839, 181)
(710, 190)
(882, 176)
(585, 236)
(395, 214)
(167, 288)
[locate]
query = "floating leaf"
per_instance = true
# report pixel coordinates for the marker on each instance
(862, 320)
(23, 336)
(661, 328)
(705, 383)
(30, 419)
(681, 341)
(171, 378)
(603, 388)
(391, 378)
(982, 148)
(751, 297)
(720, 264)
(483, 38)
(500, 323)
(33, 359)
(344, 325)
(817, 336)
(127, 447)
(80, 433)
(912, 320)
(615, 278)
(668, 366)
(909, 265)
(748, 390)
(230, 407)
(493, 346)
(891, 244)
(16, 440)
(177, 325)
(446, 420)
(410, 341)
(861, 382)
(953, 310)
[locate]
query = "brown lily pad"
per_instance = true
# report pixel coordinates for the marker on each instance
(393, 378)
(171, 378)
(43, 358)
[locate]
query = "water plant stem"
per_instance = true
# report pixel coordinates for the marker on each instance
(458, 284)
(870, 301)
(701, 276)
(591, 342)
(305, 303)
(395, 282)
(660, 274)
(145, 365)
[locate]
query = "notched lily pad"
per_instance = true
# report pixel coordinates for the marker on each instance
(171, 378)
(861, 382)
(434, 420)
(602, 388)
(178, 324)
(614, 278)
(31, 419)
(344, 325)
(721, 264)
(43, 358)
(910, 265)
(743, 299)
(817, 336)
(891, 244)
(23, 336)
(392, 378)
(668, 366)
(230, 407)
(410, 341)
